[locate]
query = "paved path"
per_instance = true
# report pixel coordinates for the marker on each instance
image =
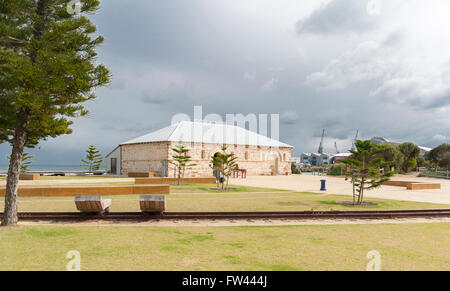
(337, 185)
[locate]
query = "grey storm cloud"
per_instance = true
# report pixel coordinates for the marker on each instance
(338, 16)
(318, 64)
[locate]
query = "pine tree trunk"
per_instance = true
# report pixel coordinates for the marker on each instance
(354, 193)
(12, 184)
(361, 192)
(183, 176)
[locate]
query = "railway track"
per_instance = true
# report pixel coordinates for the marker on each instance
(138, 216)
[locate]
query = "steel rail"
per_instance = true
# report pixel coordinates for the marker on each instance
(139, 216)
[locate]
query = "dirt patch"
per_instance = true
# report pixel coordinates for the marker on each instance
(350, 203)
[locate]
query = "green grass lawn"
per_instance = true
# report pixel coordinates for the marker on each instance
(198, 197)
(336, 247)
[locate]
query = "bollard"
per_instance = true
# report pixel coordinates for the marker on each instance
(323, 185)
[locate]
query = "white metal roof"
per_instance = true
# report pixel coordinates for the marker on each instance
(202, 132)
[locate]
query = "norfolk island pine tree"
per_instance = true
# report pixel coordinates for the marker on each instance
(93, 160)
(363, 169)
(47, 71)
(181, 161)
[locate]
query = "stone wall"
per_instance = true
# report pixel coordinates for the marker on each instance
(145, 157)
(256, 160)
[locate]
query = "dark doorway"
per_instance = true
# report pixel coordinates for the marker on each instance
(114, 166)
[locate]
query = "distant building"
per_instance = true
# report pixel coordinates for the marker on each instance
(339, 157)
(296, 160)
(315, 159)
(382, 140)
(256, 153)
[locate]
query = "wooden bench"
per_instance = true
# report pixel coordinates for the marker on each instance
(92, 203)
(141, 174)
(167, 180)
(152, 203)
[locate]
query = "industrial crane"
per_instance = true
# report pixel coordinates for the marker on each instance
(354, 141)
(320, 151)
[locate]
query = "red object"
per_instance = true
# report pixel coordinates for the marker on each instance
(243, 173)
(287, 173)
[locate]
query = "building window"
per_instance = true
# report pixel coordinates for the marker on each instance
(284, 157)
(203, 154)
(246, 156)
(192, 144)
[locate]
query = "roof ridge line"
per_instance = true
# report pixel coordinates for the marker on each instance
(176, 127)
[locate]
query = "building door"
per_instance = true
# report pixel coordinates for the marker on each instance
(164, 168)
(114, 166)
(277, 165)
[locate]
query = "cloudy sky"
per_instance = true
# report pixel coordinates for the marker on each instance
(382, 67)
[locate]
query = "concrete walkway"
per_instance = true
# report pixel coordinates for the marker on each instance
(337, 185)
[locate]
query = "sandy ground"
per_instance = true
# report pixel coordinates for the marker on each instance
(241, 222)
(337, 185)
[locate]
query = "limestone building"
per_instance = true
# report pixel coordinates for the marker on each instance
(256, 153)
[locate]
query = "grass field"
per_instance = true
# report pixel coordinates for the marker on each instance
(198, 197)
(337, 247)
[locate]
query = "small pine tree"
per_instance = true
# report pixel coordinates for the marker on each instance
(364, 169)
(93, 160)
(181, 161)
(225, 164)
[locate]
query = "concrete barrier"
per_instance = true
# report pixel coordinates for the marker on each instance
(189, 180)
(91, 190)
(140, 174)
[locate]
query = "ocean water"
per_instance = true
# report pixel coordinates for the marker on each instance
(4, 168)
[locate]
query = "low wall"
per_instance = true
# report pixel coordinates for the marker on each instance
(423, 186)
(397, 183)
(140, 174)
(91, 190)
(411, 185)
(167, 180)
(33, 177)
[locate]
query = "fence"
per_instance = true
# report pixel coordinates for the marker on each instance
(434, 173)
